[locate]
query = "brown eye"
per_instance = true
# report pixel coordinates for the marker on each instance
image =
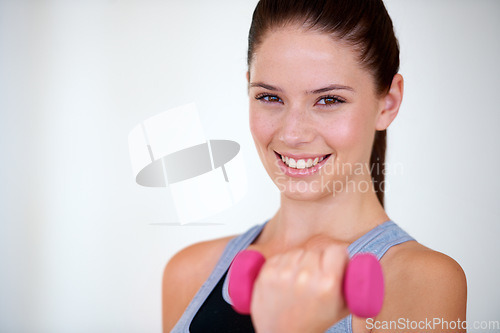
(330, 100)
(269, 98)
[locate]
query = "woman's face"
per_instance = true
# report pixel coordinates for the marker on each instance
(313, 105)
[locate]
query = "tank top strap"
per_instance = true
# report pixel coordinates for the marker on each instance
(376, 241)
(380, 239)
(234, 246)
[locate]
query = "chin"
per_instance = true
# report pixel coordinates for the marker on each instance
(302, 190)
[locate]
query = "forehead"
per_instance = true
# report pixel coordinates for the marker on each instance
(306, 57)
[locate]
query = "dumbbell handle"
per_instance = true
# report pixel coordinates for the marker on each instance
(363, 285)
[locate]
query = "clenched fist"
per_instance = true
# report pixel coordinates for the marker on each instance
(301, 290)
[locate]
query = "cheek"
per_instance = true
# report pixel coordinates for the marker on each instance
(261, 126)
(350, 135)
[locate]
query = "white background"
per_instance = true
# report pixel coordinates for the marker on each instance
(82, 247)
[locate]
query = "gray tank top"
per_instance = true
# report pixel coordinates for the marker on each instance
(376, 241)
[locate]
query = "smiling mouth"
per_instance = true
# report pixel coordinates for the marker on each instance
(305, 163)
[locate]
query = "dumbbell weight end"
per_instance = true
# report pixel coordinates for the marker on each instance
(363, 284)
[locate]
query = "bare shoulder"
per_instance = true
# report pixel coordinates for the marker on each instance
(422, 284)
(184, 274)
(412, 260)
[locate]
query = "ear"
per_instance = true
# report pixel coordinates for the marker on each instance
(248, 76)
(390, 103)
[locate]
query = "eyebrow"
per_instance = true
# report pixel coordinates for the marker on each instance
(316, 91)
(330, 88)
(264, 85)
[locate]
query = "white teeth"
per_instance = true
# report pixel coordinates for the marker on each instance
(302, 163)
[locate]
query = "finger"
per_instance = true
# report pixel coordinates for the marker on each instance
(333, 265)
(283, 266)
(334, 259)
(308, 268)
(289, 263)
(318, 243)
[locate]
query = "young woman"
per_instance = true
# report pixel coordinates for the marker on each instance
(324, 86)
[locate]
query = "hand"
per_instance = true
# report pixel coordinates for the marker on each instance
(301, 290)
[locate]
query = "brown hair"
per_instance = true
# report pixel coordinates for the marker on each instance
(363, 24)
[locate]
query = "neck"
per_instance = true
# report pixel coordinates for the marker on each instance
(343, 217)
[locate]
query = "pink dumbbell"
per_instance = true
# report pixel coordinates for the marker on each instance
(363, 282)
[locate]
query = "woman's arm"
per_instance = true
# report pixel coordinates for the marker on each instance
(183, 276)
(424, 288)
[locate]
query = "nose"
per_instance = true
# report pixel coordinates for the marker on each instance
(296, 127)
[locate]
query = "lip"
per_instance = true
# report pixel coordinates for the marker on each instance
(300, 173)
(301, 156)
